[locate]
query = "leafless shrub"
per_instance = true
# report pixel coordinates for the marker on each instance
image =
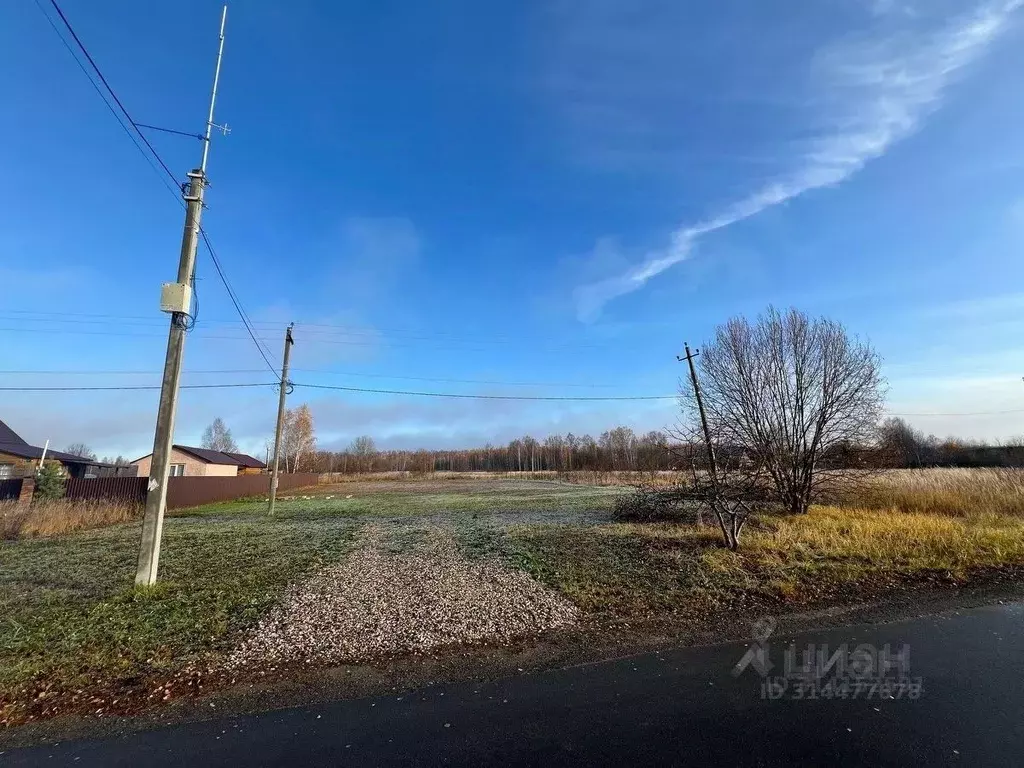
(655, 503)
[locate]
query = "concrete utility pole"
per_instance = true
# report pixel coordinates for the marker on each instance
(285, 386)
(177, 300)
(712, 463)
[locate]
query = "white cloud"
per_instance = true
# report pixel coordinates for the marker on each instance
(881, 91)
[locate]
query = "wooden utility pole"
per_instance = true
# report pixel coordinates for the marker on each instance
(285, 387)
(176, 299)
(712, 462)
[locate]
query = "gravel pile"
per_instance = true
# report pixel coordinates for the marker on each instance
(377, 603)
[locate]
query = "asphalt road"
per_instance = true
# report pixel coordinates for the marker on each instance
(673, 708)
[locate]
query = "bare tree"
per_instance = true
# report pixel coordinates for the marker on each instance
(365, 450)
(117, 461)
(784, 394)
(297, 437)
(217, 437)
(901, 444)
(81, 449)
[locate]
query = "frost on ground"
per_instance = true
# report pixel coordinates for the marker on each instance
(377, 603)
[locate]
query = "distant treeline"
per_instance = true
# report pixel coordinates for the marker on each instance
(620, 449)
(616, 449)
(905, 446)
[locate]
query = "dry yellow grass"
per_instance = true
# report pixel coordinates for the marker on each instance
(910, 541)
(830, 555)
(959, 492)
(53, 518)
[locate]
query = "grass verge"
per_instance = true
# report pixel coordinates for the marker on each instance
(625, 572)
(75, 632)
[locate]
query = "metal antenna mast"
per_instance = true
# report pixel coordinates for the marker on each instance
(210, 125)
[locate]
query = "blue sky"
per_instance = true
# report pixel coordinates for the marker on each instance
(542, 198)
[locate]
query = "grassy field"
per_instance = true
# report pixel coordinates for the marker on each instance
(76, 636)
(71, 619)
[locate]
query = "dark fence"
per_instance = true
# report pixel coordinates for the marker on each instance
(10, 490)
(184, 492)
(193, 491)
(131, 490)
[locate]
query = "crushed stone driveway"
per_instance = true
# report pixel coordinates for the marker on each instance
(377, 603)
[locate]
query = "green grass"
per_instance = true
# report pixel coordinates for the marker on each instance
(71, 618)
(508, 496)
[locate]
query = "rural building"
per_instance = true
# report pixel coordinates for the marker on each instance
(248, 465)
(19, 459)
(187, 461)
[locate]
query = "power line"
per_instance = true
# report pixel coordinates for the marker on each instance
(237, 304)
(110, 90)
(127, 388)
(482, 397)
(326, 336)
(325, 372)
(123, 372)
(975, 413)
(446, 380)
(173, 189)
(155, 154)
(388, 391)
(260, 340)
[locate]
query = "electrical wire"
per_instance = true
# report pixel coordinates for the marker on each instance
(238, 306)
(110, 90)
(261, 341)
(194, 317)
(190, 323)
(324, 372)
(454, 395)
(975, 413)
(133, 387)
(330, 337)
(123, 372)
(482, 397)
(172, 188)
(171, 130)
